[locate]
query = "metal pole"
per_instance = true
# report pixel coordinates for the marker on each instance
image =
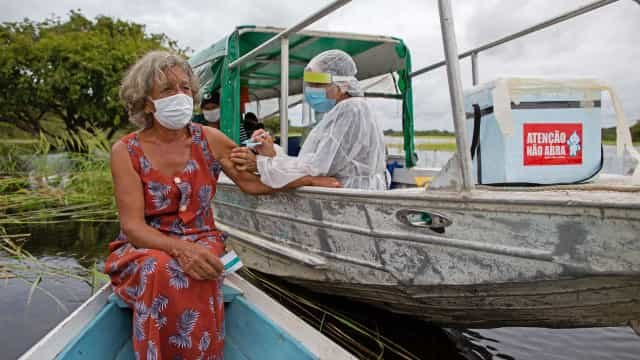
(293, 29)
(455, 91)
(543, 25)
(296, 103)
(284, 93)
(474, 69)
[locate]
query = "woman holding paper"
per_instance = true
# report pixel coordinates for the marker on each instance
(165, 264)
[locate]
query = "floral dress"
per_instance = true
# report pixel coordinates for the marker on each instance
(174, 315)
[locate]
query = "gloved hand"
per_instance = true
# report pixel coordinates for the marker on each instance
(266, 148)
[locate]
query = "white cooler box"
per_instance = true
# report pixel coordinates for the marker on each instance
(533, 131)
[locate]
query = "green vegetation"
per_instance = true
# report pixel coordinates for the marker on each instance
(421, 133)
(39, 187)
(59, 112)
(73, 186)
(272, 124)
(62, 76)
(609, 134)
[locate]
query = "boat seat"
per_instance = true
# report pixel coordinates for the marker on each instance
(229, 292)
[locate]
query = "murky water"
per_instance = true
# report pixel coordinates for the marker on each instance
(69, 245)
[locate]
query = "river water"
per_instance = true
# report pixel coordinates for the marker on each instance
(22, 324)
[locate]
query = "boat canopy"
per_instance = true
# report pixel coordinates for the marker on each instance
(259, 78)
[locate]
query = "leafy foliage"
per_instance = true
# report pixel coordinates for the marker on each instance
(72, 186)
(272, 124)
(69, 70)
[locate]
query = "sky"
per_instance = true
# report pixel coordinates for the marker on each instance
(604, 44)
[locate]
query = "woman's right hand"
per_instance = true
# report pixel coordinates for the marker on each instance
(197, 261)
(266, 148)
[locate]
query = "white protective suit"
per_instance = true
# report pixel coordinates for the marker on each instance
(346, 144)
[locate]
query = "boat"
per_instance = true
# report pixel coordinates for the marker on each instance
(463, 255)
(256, 327)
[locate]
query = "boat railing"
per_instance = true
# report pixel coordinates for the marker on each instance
(283, 38)
(473, 53)
(452, 58)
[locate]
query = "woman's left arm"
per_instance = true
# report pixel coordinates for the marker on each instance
(249, 182)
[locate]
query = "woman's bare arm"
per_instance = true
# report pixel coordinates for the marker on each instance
(246, 181)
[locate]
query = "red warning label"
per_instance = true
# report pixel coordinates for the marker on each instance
(552, 144)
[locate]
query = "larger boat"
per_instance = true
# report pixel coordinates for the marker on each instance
(461, 255)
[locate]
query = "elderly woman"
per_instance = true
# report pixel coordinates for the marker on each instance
(165, 262)
(347, 143)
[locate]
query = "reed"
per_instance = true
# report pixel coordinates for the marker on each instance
(52, 180)
(63, 179)
(360, 340)
(19, 264)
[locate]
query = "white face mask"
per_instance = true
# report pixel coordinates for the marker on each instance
(174, 112)
(211, 115)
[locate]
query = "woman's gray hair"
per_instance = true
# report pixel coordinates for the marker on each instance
(138, 83)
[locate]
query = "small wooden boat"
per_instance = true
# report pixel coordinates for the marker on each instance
(256, 326)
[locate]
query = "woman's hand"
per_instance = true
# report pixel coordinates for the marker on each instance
(325, 181)
(266, 148)
(197, 261)
(244, 159)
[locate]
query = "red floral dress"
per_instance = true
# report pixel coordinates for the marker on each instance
(174, 315)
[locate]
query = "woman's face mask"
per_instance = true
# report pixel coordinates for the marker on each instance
(174, 112)
(211, 115)
(318, 100)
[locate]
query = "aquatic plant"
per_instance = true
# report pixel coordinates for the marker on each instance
(73, 184)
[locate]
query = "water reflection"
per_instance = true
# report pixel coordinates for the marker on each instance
(84, 242)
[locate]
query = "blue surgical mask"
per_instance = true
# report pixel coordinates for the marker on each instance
(318, 100)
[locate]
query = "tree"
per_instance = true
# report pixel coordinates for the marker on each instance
(272, 124)
(69, 69)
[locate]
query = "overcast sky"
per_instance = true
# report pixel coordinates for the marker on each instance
(604, 44)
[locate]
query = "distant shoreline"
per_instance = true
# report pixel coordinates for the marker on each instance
(448, 143)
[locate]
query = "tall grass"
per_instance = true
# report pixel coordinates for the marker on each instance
(52, 180)
(63, 179)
